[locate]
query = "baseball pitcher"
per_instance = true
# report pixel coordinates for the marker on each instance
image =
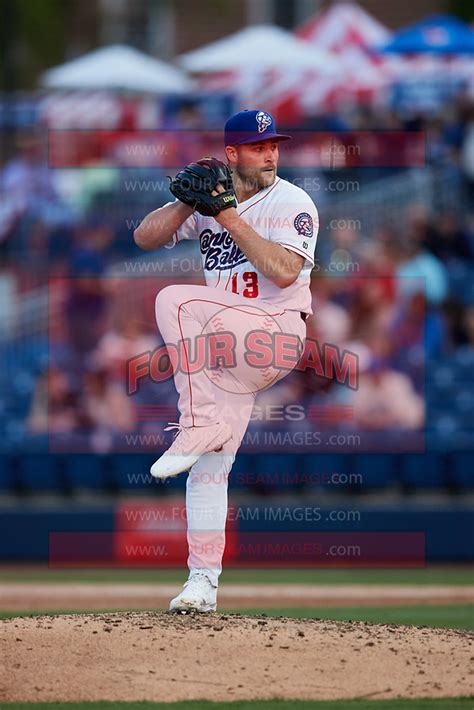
(257, 236)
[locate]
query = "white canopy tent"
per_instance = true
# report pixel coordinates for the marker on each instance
(348, 31)
(344, 24)
(258, 64)
(257, 47)
(117, 68)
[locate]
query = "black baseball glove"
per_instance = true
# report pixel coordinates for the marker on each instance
(195, 183)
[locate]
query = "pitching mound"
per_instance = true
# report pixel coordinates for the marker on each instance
(159, 656)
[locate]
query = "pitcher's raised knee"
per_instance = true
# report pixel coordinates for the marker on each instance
(168, 297)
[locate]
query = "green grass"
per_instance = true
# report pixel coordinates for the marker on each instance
(416, 704)
(429, 575)
(449, 616)
(452, 616)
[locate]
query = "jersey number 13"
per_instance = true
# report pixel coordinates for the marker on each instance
(250, 279)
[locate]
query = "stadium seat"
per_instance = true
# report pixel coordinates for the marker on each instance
(86, 471)
(461, 468)
(421, 470)
(243, 471)
(268, 473)
(131, 472)
(464, 358)
(6, 481)
(464, 403)
(38, 472)
(375, 470)
(327, 470)
(444, 376)
(461, 282)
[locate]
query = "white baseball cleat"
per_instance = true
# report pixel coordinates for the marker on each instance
(189, 444)
(198, 595)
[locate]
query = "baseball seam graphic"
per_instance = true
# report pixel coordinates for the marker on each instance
(217, 323)
(216, 374)
(238, 381)
(266, 372)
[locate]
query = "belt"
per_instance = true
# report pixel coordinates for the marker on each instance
(303, 315)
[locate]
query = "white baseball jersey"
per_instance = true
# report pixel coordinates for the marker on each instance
(282, 213)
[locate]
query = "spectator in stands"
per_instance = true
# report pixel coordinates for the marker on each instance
(55, 406)
(370, 308)
(379, 258)
(345, 247)
(385, 398)
(332, 323)
(27, 176)
(448, 240)
(418, 268)
(372, 288)
(127, 340)
(105, 408)
(467, 148)
(438, 150)
(418, 334)
(418, 227)
(468, 326)
(340, 259)
(454, 314)
(389, 286)
(415, 327)
(27, 191)
(87, 300)
(188, 123)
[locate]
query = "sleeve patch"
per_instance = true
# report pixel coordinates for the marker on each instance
(304, 225)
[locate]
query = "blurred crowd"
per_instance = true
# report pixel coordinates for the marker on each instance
(399, 296)
(44, 211)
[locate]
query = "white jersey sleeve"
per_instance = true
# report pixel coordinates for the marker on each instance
(188, 230)
(296, 224)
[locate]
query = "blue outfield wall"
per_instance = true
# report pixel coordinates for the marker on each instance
(448, 531)
(25, 531)
(33, 471)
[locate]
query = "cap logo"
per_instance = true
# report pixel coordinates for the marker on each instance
(264, 120)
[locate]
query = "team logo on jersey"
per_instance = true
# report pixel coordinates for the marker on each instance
(219, 251)
(304, 224)
(264, 120)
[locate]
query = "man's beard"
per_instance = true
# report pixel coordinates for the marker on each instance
(256, 179)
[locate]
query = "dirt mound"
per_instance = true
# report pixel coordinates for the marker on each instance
(160, 656)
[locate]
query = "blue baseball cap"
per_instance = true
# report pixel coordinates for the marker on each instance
(251, 126)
